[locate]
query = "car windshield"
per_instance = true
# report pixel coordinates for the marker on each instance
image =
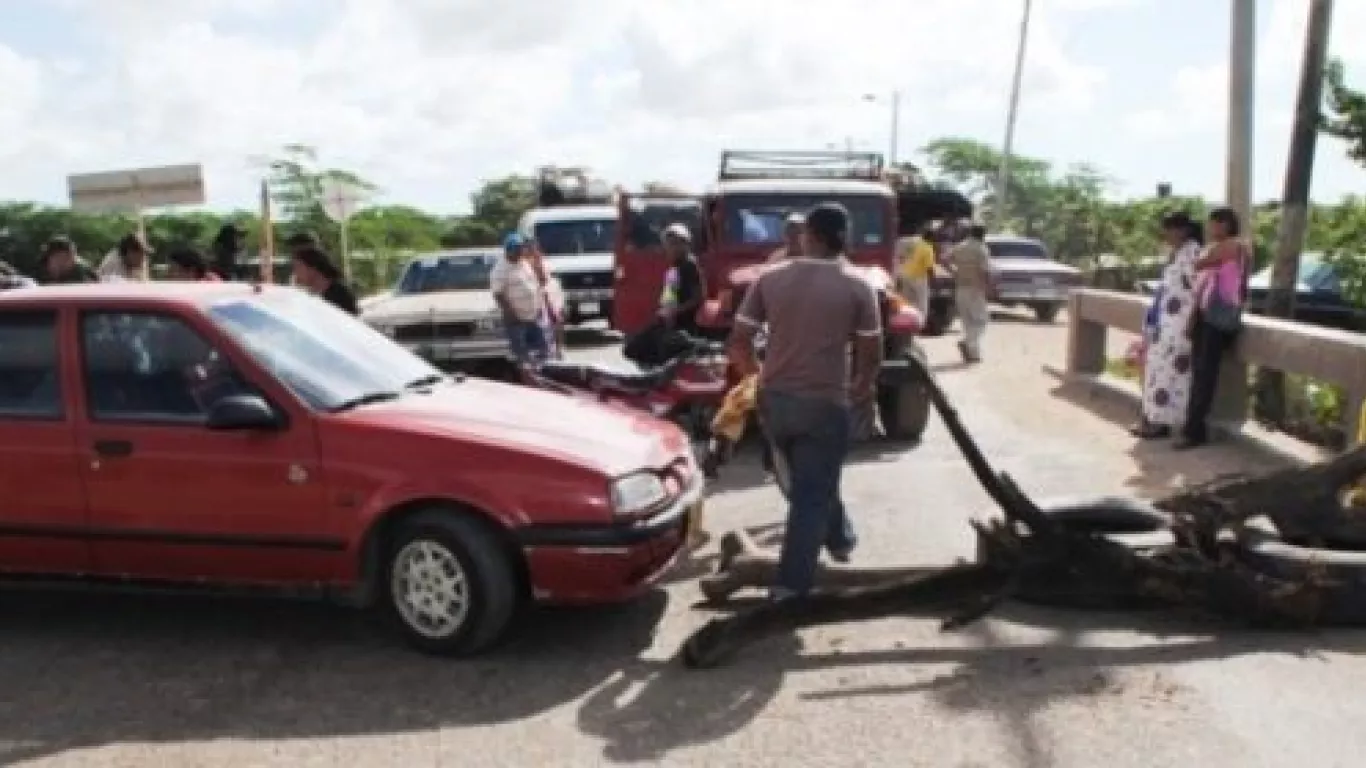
(325, 356)
(455, 272)
(567, 238)
(753, 219)
(1016, 249)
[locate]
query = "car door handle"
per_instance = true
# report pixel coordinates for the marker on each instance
(113, 449)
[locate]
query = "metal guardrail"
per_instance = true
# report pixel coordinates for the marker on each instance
(1325, 354)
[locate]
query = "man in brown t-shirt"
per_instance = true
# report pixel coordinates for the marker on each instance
(814, 307)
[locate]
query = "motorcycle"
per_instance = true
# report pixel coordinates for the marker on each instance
(686, 389)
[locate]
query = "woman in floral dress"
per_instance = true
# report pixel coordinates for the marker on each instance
(1167, 368)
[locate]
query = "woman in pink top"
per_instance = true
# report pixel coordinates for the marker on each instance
(1219, 279)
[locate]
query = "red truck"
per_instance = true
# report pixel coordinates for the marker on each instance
(738, 224)
(237, 435)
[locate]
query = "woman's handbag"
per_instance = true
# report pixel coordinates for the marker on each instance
(1223, 315)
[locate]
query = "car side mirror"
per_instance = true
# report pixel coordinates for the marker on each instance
(243, 412)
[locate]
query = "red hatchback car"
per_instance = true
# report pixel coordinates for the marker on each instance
(236, 435)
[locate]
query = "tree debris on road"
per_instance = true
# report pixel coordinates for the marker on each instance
(1031, 551)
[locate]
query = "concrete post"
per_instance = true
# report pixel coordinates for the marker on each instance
(1085, 341)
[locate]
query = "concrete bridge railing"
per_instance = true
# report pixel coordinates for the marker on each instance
(1328, 355)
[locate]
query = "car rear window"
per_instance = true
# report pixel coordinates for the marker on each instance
(1016, 249)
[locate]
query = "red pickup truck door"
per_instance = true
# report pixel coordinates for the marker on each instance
(172, 499)
(42, 503)
(640, 260)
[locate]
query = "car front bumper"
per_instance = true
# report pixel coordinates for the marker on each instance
(610, 562)
(464, 350)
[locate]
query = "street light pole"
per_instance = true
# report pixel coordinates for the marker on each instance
(1003, 180)
(896, 123)
(1241, 85)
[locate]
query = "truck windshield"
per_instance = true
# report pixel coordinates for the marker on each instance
(466, 272)
(753, 219)
(563, 238)
(322, 354)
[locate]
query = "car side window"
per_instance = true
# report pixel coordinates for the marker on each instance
(151, 368)
(30, 382)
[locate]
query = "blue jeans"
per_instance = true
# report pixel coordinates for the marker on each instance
(527, 338)
(813, 436)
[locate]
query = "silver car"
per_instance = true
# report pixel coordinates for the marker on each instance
(442, 310)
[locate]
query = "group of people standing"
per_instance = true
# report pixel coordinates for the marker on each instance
(531, 311)
(1193, 321)
(60, 263)
(969, 262)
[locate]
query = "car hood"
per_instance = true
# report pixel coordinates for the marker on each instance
(572, 263)
(610, 440)
(1037, 266)
(423, 307)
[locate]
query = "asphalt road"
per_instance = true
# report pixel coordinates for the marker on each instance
(113, 680)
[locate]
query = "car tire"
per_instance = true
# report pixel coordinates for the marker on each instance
(1047, 313)
(1343, 599)
(443, 555)
(1133, 523)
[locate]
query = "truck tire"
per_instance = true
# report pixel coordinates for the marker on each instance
(1046, 313)
(905, 408)
(1343, 598)
(450, 584)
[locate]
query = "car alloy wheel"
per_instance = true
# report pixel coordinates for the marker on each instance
(431, 590)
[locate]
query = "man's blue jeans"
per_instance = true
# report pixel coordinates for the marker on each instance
(527, 338)
(813, 436)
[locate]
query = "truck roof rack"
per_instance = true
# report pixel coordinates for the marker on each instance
(744, 164)
(570, 186)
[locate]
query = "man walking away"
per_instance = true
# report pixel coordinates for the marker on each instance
(917, 266)
(792, 239)
(518, 293)
(814, 307)
(971, 265)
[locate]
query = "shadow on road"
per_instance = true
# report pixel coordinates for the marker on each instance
(84, 669)
(1160, 470)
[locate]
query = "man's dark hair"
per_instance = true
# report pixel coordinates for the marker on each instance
(319, 261)
(1229, 218)
(58, 244)
(828, 224)
(302, 240)
(190, 259)
(977, 232)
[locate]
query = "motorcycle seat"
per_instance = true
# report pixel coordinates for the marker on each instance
(607, 377)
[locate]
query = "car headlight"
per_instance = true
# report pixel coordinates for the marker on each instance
(634, 494)
(490, 324)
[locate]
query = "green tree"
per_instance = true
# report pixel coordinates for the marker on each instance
(501, 202)
(1346, 117)
(296, 182)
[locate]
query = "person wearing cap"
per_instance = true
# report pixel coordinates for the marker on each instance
(814, 308)
(518, 293)
(128, 260)
(60, 264)
(970, 263)
(188, 264)
(315, 273)
(679, 301)
(917, 262)
(792, 239)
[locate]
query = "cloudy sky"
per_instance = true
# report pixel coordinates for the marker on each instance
(428, 97)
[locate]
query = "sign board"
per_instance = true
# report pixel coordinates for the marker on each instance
(137, 189)
(340, 200)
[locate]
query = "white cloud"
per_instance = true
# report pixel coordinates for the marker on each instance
(427, 97)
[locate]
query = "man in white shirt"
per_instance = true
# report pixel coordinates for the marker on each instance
(518, 293)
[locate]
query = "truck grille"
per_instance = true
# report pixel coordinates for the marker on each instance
(585, 280)
(434, 331)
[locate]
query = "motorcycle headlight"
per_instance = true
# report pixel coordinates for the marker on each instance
(637, 493)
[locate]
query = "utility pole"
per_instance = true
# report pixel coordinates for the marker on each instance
(1242, 84)
(1299, 172)
(896, 128)
(1003, 180)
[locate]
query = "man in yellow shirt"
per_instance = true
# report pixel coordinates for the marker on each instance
(917, 265)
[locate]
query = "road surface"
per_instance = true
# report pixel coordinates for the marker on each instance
(147, 681)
